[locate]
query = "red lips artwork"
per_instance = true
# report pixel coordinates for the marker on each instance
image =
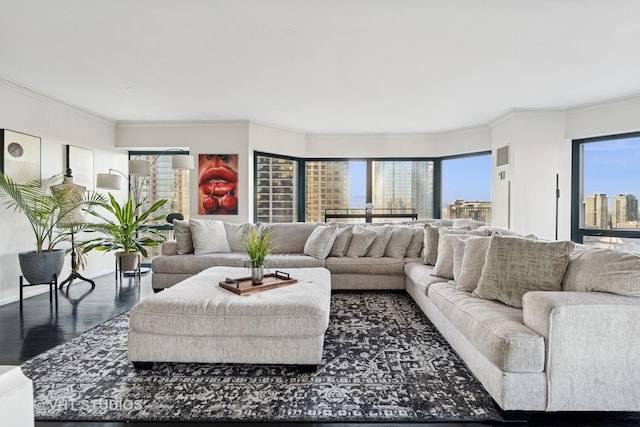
(218, 183)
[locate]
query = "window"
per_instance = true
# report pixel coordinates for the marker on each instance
(276, 189)
(466, 187)
(606, 186)
(163, 183)
(334, 185)
(403, 186)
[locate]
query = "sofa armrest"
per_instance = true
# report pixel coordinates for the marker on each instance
(170, 247)
(592, 346)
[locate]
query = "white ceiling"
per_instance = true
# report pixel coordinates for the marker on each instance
(323, 66)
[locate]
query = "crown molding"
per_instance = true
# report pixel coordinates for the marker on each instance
(58, 102)
(177, 123)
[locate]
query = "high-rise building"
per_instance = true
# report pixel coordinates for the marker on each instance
(276, 194)
(462, 209)
(596, 211)
(624, 212)
(404, 185)
(327, 187)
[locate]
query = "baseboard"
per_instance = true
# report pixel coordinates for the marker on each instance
(33, 291)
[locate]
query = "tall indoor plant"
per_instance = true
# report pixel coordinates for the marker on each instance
(47, 212)
(257, 243)
(126, 229)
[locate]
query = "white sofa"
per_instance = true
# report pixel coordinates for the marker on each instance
(576, 348)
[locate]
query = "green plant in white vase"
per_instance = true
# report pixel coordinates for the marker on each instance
(257, 243)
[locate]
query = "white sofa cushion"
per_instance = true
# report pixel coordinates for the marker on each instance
(417, 242)
(379, 245)
(365, 265)
(235, 232)
(341, 244)
(361, 239)
(320, 241)
(182, 231)
(208, 236)
(515, 266)
(493, 328)
(289, 237)
(398, 242)
(475, 251)
(603, 270)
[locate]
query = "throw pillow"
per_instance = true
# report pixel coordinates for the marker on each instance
(474, 253)
(321, 241)
(183, 236)
(515, 266)
(603, 270)
(235, 233)
(361, 240)
(444, 262)
(464, 222)
(398, 242)
(430, 245)
(341, 243)
(208, 236)
(377, 248)
(417, 241)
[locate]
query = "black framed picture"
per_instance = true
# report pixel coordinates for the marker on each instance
(20, 159)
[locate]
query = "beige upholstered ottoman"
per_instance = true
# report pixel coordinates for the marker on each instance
(198, 321)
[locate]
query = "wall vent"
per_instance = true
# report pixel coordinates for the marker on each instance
(502, 156)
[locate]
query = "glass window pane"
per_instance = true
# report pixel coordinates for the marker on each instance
(404, 186)
(276, 189)
(333, 185)
(466, 188)
(610, 184)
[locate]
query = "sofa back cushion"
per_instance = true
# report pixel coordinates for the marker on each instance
(289, 237)
(398, 242)
(182, 231)
(208, 236)
(377, 248)
(341, 244)
(474, 252)
(514, 266)
(361, 241)
(417, 241)
(603, 270)
(320, 241)
(235, 233)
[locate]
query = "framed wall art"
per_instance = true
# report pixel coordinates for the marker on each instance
(80, 161)
(20, 158)
(218, 184)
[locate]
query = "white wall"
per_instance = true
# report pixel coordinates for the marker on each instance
(400, 145)
(57, 125)
(605, 118)
(200, 137)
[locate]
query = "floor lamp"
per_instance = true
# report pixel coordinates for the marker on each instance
(140, 168)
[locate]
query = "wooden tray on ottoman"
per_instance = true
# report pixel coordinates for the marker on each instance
(243, 285)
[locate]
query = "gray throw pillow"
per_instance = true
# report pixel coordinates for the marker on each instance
(474, 253)
(208, 236)
(182, 231)
(361, 240)
(430, 245)
(515, 266)
(398, 242)
(341, 243)
(235, 233)
(444, 263)
(377, 248)
(320, 241)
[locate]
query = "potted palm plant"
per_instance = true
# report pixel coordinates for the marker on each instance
(48, 213)
(126, 229)
(257, 243)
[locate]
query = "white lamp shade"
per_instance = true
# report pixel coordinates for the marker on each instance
(182, 161)
(108, 181)
(138, 167)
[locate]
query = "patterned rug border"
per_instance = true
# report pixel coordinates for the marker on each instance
(383, 362)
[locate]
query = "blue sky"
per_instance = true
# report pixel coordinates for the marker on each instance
(612, 167)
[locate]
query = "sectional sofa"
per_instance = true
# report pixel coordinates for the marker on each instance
(544, 326)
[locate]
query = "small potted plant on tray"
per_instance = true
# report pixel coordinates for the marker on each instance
(257, 243)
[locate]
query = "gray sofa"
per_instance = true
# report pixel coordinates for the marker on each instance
(569, 345)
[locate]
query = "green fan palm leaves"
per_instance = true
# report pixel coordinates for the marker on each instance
(125, 228)
(48, 212)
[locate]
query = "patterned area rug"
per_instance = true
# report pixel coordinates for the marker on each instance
(383, 362)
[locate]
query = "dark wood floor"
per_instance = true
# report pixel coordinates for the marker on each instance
(80, 308)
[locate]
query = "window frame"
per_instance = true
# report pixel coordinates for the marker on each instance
(577, 171)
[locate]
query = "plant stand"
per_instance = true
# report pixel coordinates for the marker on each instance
(136, 272)
(74, 273)
(53, 287)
